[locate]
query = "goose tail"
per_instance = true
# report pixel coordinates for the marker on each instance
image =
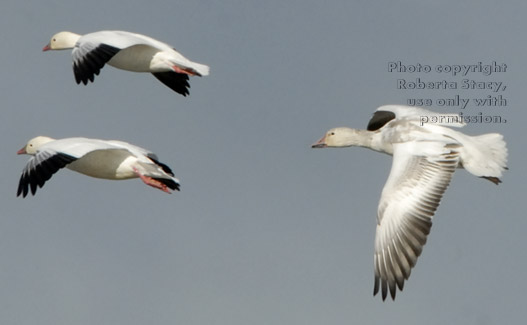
(486, 156)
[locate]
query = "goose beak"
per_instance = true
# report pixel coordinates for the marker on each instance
(320, 143)
(22, 151)
(46, 48)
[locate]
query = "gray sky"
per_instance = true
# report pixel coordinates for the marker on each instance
(265, 230)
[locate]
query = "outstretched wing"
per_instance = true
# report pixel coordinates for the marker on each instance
(420, 174)
(39, 169)
(89, 58)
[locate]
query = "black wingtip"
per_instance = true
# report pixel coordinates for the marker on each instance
(178, 82)
(376, 286)
(20, 190)
(87, 67)
(393, 293)
(164, 167)
(382, 286)
(34, 176)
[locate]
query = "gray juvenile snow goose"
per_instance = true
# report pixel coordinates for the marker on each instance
(425, 156)
(108, 159)
(127, 51)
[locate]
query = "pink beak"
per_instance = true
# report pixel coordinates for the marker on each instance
(22, 151)
(46, 48)
(320, 143)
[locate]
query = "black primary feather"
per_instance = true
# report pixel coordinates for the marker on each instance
(35, 175)
(178, 82)
(91, 64)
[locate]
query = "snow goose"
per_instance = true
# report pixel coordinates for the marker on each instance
(425, 156)
(127, 51)
(96, 158)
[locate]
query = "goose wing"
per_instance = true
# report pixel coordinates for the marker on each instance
(178, 82)
(89, 57)
(40, 168)
(421, 172)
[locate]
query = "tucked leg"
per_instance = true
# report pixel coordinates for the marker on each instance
(189, 72)
(152, 182)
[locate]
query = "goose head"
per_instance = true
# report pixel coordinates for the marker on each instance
(340, 137)
(33, 145)
(62, 41)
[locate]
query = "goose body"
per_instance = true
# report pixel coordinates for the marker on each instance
(425, 156)
(107, 159)
(127, 51)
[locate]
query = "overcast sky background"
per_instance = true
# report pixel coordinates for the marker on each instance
(265, 230)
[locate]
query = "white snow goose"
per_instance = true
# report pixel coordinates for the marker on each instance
(425, 156)
(108, 159)
(127, 51)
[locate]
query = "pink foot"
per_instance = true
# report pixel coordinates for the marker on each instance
(152, 182)
(181, 70)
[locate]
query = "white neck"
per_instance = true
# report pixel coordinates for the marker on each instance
(348, 137)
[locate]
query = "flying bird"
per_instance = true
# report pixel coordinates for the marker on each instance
(127, 51)
(107, 159)
(426, 152)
